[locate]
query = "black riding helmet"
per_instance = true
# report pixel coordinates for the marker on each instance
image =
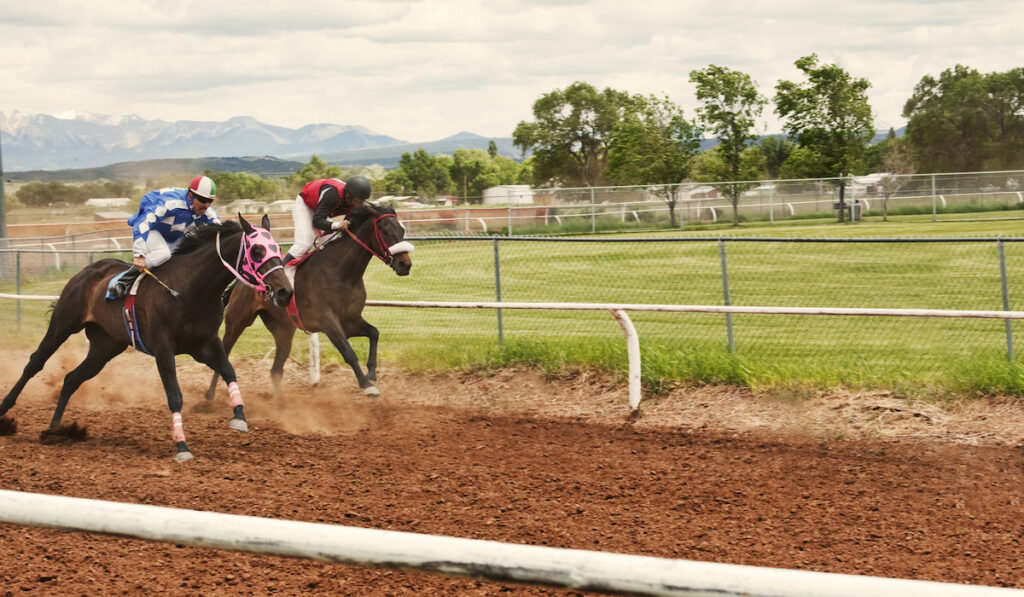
(358, 187)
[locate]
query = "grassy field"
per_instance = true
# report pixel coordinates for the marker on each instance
(792, 354)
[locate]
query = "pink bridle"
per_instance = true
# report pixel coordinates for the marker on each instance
(246, 269)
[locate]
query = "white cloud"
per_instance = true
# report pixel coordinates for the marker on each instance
(422, 70)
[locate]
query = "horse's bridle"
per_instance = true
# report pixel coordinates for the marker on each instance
(385, 253)
(246, 269)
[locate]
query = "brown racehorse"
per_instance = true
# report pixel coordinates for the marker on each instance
(168, 322)
(329, 295)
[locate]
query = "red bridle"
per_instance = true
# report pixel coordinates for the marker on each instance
(385, 253)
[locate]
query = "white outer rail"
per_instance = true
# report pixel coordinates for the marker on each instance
(549, 566)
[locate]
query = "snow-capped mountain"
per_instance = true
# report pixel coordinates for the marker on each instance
(82, 140)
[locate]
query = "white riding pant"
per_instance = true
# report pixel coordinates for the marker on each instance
(302, 216)
(155, 248)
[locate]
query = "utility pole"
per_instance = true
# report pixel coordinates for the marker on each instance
(3, 199)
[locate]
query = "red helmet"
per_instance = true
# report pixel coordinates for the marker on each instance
(204, 187)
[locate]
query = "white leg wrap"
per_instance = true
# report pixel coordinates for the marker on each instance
(177, 430)
(235, 394)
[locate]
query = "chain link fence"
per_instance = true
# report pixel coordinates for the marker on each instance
(592, 209)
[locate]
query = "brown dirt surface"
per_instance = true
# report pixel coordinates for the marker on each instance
(854, 483)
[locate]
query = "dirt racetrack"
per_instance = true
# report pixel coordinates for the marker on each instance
(861, 484)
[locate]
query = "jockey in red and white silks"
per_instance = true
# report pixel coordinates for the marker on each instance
(319, 201)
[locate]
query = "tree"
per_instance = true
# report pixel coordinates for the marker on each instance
(569, 138)
(965, 121)
(653, 144)
(420, 173)
(829, 115)
(492, 149)
(732, 179)
(898, 164)
(776, 150)
(315, 169)
(473, 170)
(730, 104)
(243, 185)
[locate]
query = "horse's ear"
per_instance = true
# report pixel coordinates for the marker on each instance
(265, 222)
(246, 227)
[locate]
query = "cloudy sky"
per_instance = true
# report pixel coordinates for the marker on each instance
(424, 70)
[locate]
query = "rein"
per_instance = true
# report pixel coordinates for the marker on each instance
(245, 270)
(385, 253)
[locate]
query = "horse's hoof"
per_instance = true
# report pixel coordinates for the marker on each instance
(239, 425)
(371, 391)
(8, 426)
(183, 456)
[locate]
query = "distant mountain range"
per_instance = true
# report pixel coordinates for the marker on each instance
(92, 146)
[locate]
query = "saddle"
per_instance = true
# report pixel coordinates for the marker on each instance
(292, 266)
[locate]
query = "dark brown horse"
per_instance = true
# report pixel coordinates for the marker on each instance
(168, 322)
(329, 295)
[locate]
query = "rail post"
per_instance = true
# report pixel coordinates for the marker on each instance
(1006, 298)
(17, 284)
(497, 289)
(725, 294)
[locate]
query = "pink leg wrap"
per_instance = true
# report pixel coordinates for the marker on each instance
(177, 431)
(235, 394)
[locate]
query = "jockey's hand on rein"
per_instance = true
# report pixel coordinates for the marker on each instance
(139, 263)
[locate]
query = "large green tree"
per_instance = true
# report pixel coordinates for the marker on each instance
(827, 114)
(420, 173)
(730, 106)
(243, 185)
(653, 144)
(473, 170)
(965, 121)
(570, 133)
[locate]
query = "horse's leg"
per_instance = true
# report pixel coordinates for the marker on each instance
(102, 348)
(236, 319)
(213, 355)
(372, 334)
(56, 335)
(169, 377)
(284, 335)
(340, 342)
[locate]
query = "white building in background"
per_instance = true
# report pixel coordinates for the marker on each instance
(509, 194)
(107, 202)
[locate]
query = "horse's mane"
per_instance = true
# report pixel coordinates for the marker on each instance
(358, 217)
(201, 235)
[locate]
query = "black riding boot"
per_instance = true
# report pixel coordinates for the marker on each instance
(123, 285)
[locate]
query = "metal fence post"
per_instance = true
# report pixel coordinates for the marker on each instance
(725, 292)
(1006, 298)
(17, 285)
(593, 212)
(933, 198)
(497, 289)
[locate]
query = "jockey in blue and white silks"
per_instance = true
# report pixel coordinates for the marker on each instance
(160, 224)
(163, 217)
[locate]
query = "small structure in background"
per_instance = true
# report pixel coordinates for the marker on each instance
(245, 206)
(509, 194)
(108, 202)
(400, 202)
(280, 206)
(111, 216)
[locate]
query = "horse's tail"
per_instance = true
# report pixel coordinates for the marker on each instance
(226, 295)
